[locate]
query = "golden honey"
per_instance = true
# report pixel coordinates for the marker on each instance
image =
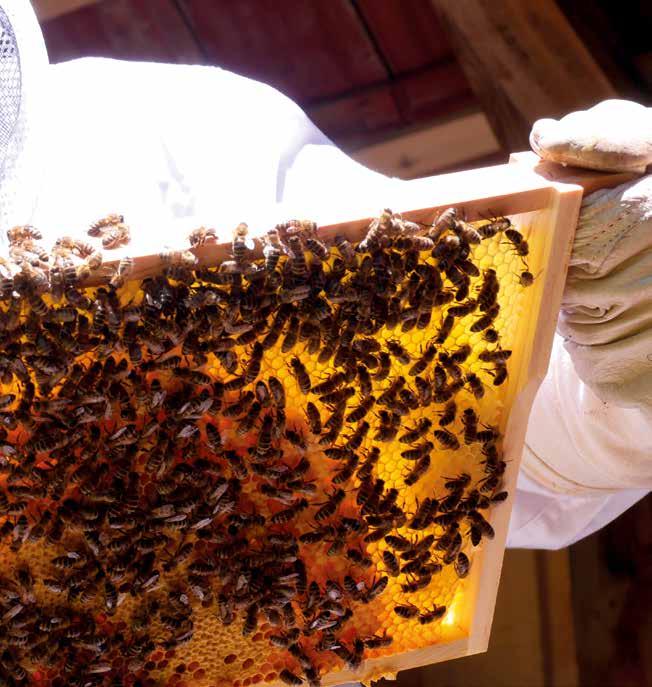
(147, 451)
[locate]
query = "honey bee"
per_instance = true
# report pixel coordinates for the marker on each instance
(329, 385)
(377, 233)
(202, 235)
(462, 565)
(338, 398)
(124, 269)
(499, 355)
(488, 290)
(444, 222)
(499, 497)
(389, 426)
(418, 243)
(115, 235)
(424, 361)
(384, 366)
(376, 589)
(317, 248)
(345, 249)
(470, 422)
(447, 250)
(490, 335)
(430, 616)
(499, 374)
(449, 414)
(371, 459)
(180, 258)
(418, 451)
(328, 508)
(420, 429)
(475, 385)
(272, 250)
(344, 474)
(406, 611)
(479, 528)
(418, 471)
(447, 439)
(298, 369)
(96, 228)
(398, 351)
(445, 329)
(467, 232)
(297, 261)
(361, 411)
(526, 278)
(364, 379)
(376, 642)
(240, 244)
(492, 228)
(517, 241)
(464, 309)
(277, 390)
(390, 392)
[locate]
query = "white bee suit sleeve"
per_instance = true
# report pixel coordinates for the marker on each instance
(174, 147)
(171, 147)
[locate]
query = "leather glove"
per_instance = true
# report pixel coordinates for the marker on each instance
(591, 425)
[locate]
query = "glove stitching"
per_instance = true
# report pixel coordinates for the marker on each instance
(603, 248)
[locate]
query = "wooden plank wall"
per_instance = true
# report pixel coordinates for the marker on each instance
(612, 599)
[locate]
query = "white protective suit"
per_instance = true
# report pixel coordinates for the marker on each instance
(174, 147)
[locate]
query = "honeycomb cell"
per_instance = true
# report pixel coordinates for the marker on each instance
(164, 519)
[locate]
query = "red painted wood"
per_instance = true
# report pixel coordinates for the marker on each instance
(125, 29)
(358, 115)
(414, 99)
(308, 49)
(433, 92)
(407, 31)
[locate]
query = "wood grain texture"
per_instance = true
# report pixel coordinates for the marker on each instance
(307, 49)
(429, 149)
(523, 61)
(612, 599)
(557, 627)
(123, 29)
(409, 33)
(356, 117)
(49, 9)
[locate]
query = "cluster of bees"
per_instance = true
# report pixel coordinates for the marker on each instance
(150, 446)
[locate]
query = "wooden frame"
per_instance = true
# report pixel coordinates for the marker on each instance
(546, 198)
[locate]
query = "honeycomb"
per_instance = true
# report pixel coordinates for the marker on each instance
(173, 517)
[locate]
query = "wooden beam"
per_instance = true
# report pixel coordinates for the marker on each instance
(143, 30)
(523, 61)
(443, 145)
(557, 622)
(413, 99)
(49, 9)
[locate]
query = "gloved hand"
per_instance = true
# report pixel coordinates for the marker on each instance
(591, 425)
(607, 308)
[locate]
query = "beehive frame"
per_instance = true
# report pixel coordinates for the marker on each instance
(547, 199)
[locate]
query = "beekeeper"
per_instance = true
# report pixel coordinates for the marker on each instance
(173, 147)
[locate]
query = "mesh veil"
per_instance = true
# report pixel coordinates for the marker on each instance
(23, 62)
